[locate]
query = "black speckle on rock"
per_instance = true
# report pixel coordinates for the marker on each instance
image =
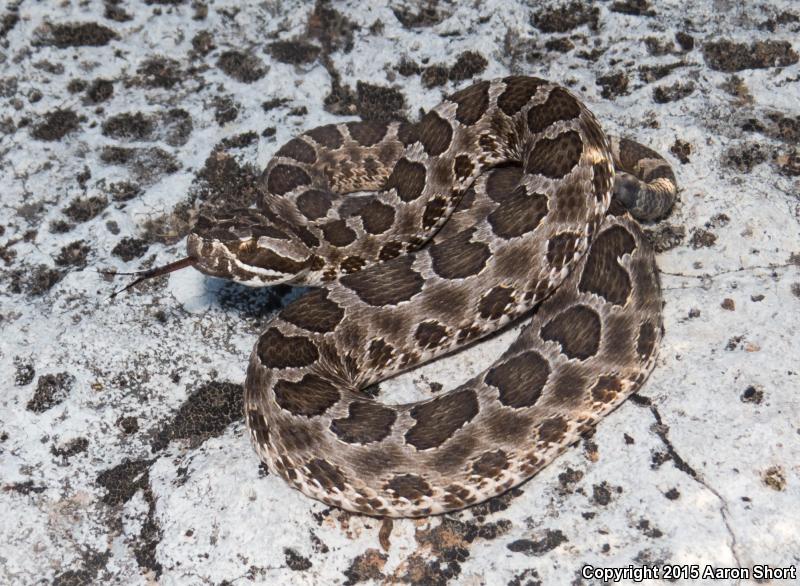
(559, 45)
(160, 72)
(633, 7)
(408, 67)
(225, 110)
(434, 75)
(237, 141)
(295, 561)
(203, 42)
(124, 190)
(82, 209)
(702, 239)
(745, 156)
(468, 65)
(24, 372)
(665, 237)
(650, 73)
(84, 34)
(76, 85)
(681, 149)
(147, 164)
(672, 494)
(426, 15)
(685, 40)
(99, 91)
(651, 532)
(116, 13)
(124, 480)
(565, 18)
(613, 84)
(657, 46)
(548, 542)
(34, 281)
(73, 255)
(601, 494)
(129, 248)
(243, 67)
(379, 103)
(90, 565)
(71, 448)
(129, 126)
(128, 425)
(206, 413)
(55, 125)
(366, 567)
(26, 487)
(273, 103)
(789, 163)
(331, 28)
(752, 395)
(51, 389)
(294, 52)
(672, 93)
(60, 226)
(175, 127)
(224, 182)
(726, 55)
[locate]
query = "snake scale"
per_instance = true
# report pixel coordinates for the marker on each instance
(506, 199)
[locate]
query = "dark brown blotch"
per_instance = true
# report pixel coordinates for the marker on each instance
(257, 424)
(490, 464)
(314, 203)
(646, 342)
(376, 217)
(504, 182)
(352, 264)
(367, 133)
(284, 178)
(408, 178)
(552, 430)
(518, 214)
(435, 134)
(328, 475)
(430, 334)
(388, 283)
(379, 353)
(338, 233)
(437, 420)
(309, 397)
(409, 486)
(561, 249)
(366, 422)
(276, 350)
(606, 389)
(457, 257)
(518, 91)
(299, 150)
(314, 312)
(328, 136)
(472, 103)
(463, 168)
(520, 379)
(494, 304)
(559, 105)
(408, 133)
(602, 180)
(434, 210)
(577, 330)
(603, 275)
(555, 157)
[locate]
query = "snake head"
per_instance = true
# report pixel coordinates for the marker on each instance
(248, 247)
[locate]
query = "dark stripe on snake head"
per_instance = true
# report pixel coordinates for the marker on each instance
(520, 379)
(276, 350)
(603, 275)
(439, 419)
(555, 157)
(366, 422)
(577, 330)
(309, 397)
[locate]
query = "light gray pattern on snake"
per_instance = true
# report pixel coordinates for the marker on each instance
(497, 203)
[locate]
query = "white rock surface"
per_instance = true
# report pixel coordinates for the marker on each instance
(115, 465)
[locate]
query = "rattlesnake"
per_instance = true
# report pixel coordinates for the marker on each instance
(498, 202)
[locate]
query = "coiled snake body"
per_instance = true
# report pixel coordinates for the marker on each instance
(498, 202)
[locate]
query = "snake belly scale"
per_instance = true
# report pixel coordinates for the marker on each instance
(506, 199)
